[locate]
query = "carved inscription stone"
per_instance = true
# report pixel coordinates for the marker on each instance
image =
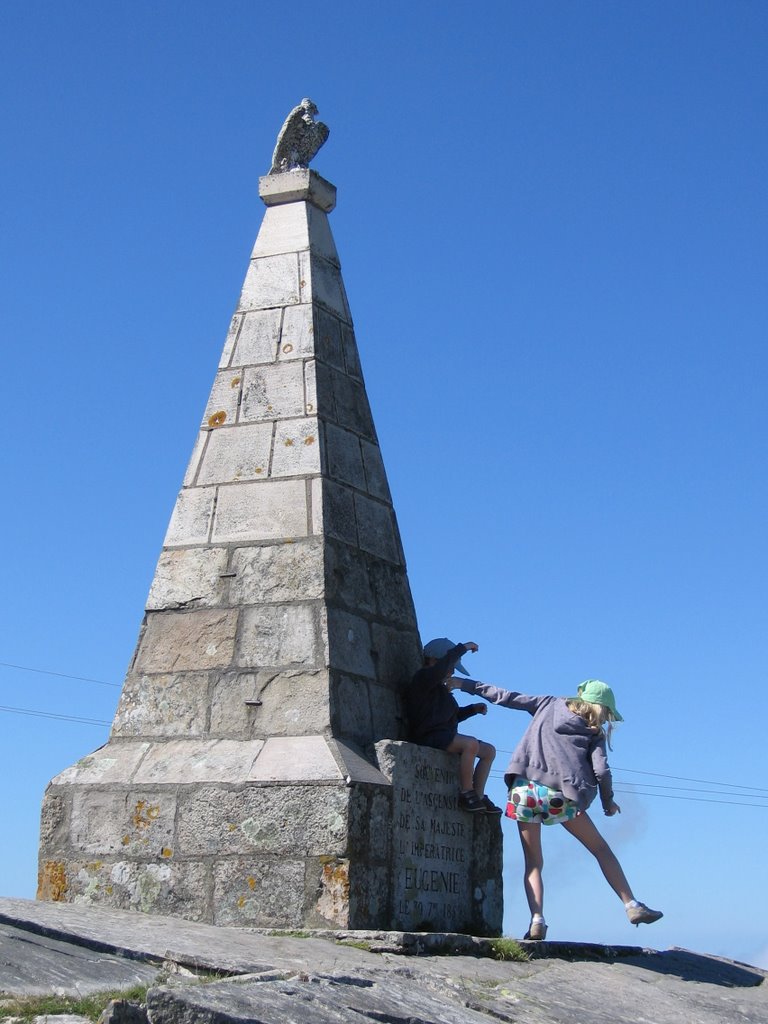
(446, 864)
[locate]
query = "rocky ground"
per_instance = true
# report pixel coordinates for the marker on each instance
(188, 973)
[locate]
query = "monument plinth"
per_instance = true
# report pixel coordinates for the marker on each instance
(240, 783)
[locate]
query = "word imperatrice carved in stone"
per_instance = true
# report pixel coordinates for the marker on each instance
(299, 140)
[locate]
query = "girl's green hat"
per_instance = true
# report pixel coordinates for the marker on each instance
(593, 691)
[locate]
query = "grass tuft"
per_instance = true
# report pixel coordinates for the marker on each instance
(91, 1006)
(508, 949)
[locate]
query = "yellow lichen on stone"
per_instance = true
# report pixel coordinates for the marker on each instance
(251, 883)
(217, 419)
(333, 903)
(144, 814)
(52, 884)
(166, 852)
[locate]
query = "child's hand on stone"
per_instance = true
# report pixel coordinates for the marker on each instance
(481, 709)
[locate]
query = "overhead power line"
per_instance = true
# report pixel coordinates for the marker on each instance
(51, 714)
(61, 675)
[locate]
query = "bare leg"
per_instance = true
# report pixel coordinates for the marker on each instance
(586, 832)
(467, 748)
(486, 753)
(530, 837)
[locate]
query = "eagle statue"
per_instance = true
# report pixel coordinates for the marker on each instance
(299, 139)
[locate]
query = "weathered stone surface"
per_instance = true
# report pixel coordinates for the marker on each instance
(291, 820)
(446, 864)
(175, 641)
(376, 529)
(292, 702)
(188, 577)
(345, 461)
(112, 763)
(260, 892)
(163, 705)
(136, 823)
(375, 477)
(398, 654)
(257, 337)
(296, 449)
(223, 400)
(267, 510)
(321, 281)
(274, 635)
(236, 453)
(296, 759)
(273, 391)
(285, 229)
(277, 573)
(297, 339)
(328, 339)
(191, 518)
(192, 761)
(351, 709)
(349, 643)
(37, 965)
(271, 281)
(333, 510)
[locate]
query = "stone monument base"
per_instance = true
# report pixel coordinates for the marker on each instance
(288, 832)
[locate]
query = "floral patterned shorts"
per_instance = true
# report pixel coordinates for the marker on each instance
(531, 801)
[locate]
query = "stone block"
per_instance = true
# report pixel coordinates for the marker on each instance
(348, 579)
(163, 705)
(376, 529)
(194, 761)
(297, 338)
(277, 573)
(398, 654)
(351, 353)
(296, 759)
(271, 281)
(293, 702)
(351, 402)
(236, 453)
(310, 387)
(259, 892)
(349, 643)
(188, 577)
(289, 820)
(285, 229)
(320, 233)
(271, 392)
(194, 461)
(296, 450)
(343, 456)
(435, 881)
(112, 763)
(258, 337)
(178, 641)
(277, 635)
(229, 341)
(321, 282)
(138, 823)
(165, 888)
(351, 709)
(54, 820)
(375, 475)
(387, 713)
(266, 510)
(333, 511)
(191, 517)
(393, 595)
(298, 184)
(333, 898)
(328, 338)
(223, 399)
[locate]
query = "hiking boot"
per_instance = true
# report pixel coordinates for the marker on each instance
(489, 806)
(640, 914)
(471, 802)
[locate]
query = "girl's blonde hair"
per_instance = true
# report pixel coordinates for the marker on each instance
(598, 717)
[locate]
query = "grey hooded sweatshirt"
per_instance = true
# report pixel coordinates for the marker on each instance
(558, 749)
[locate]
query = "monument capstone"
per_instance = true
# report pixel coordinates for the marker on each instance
(256, 773)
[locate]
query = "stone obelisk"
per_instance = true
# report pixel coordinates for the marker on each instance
(241, 783)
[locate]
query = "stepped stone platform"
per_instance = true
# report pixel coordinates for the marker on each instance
(321, 978)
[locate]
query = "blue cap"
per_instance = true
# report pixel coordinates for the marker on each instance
(440, 647)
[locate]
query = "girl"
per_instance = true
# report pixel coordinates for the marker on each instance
(554, 775)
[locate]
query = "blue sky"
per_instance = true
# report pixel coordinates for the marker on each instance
(553, 223)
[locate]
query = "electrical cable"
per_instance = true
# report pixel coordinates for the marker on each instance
(51, 714)
(61, 675)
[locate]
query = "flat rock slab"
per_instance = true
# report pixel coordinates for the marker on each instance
(294, 980)
(35, 965)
